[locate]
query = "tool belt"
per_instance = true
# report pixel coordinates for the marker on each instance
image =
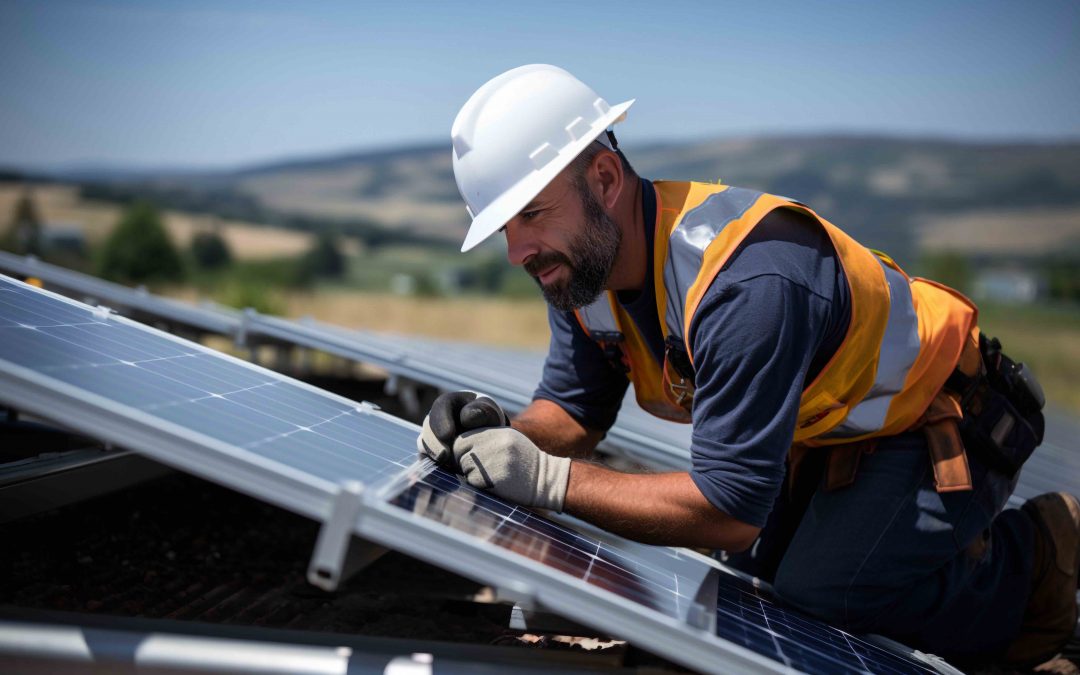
(990, 408)
(1003, 421)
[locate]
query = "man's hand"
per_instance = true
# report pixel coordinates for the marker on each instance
(452, 414)
(506, 462)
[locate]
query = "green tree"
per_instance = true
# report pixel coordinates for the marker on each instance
(23, 235)
(324, 259)
(1062, 275)
(209, 251)
(425, 286)
(139, 249)
(492, 274)
(949, 268)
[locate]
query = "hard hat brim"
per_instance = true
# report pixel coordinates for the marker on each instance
(509, 204)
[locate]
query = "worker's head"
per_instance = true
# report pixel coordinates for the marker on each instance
(565, 237)
(515, 134)
(531, 154)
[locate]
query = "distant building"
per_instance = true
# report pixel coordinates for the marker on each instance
(58, 237)
(1006, 285)
(402, 284)
(455, 280)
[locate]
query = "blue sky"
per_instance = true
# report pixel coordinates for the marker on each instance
(213, 83)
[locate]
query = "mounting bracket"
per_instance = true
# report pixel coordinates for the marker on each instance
(240, 339)
(407, 394)
(334, 558)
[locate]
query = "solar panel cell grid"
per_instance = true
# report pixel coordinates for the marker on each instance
(743, 615)
(748, 619)
(181, 383)
(440, 496)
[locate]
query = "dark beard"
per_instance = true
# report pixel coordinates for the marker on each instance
(592, 255)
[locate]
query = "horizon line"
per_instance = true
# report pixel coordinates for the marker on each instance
(270, 162)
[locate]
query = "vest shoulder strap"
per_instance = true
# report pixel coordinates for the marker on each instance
(699, 226)
(599, 322)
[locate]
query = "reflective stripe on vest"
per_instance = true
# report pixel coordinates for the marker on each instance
(597, 318)
(687, 244)
(904, 338)
(899, 350)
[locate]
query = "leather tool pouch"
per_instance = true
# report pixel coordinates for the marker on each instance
(838, 464)
(678, 374)
(1003, 421)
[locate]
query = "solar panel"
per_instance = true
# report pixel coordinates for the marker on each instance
(301, 448)
(665, 580)
(185, 390)
(510, 376)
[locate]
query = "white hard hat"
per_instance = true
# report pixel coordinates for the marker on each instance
(515, 134)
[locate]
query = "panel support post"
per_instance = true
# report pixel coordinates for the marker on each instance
(240, 338)
(407, 394)
(333, 561)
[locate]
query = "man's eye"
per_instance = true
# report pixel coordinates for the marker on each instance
(529, 215)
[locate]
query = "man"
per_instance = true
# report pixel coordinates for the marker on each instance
(828, 392)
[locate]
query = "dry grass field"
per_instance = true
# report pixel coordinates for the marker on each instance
(412, 192)
(297, 195)
(1029, 231)
(60, 204)
(494, 321)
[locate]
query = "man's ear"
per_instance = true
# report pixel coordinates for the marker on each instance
(609, 177)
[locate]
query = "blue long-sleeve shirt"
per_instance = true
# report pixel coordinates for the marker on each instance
(769, 322)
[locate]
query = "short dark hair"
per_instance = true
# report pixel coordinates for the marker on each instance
(582, 162)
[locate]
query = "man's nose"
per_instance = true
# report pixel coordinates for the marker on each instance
(520, 246)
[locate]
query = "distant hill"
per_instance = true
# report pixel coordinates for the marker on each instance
(880, 189)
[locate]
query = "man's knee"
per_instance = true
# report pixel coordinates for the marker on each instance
(812, 593)
(830, 590)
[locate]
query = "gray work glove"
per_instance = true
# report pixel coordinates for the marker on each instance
(452, 414)
(506, 462)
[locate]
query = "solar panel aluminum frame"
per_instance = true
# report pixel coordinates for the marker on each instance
(53, 480)
(42, 642)
(363, 348)
(211, 320)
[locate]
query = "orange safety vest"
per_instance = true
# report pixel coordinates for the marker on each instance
(905, 337)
